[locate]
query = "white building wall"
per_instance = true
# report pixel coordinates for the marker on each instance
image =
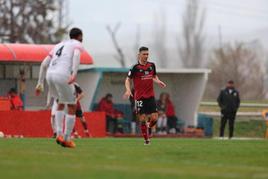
(88, 81)
(112, 83)
(185, 88)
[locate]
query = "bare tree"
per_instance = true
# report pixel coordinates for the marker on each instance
(160, 37)
(240, 63)
(113, 32)
(30, 21)
(191, 48)
(137, 42)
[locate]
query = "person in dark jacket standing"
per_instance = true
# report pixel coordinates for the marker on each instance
(229, 102)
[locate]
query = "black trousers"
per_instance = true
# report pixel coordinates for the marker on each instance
(111, 124)
(230, 117)
(172, 122)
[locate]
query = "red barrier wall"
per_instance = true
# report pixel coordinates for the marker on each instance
(37, 123)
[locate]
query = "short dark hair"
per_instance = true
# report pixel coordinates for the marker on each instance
(12, 90)
(75, 32)
(143, 49)
(230, 82)
(108, 95)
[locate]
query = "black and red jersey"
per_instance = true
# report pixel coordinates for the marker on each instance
(142, 76)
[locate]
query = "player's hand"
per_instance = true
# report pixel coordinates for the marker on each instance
(71, 79)
(161, 84)
(127, 94)
(38, 89)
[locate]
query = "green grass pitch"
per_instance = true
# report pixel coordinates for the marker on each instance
(129, 158)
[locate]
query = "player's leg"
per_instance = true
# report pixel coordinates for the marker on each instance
(59, 114)
(79, 114)
(153, 119)
(152, 123)
(151, 109)
(75, 132)
(140, 106)
(69, 122)
(67, 96)
(53, 126)
(144, 129)
(52, 118)
(231, 126)
(222, 125)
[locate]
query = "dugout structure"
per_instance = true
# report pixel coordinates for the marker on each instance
(185, 86)
(27, 57)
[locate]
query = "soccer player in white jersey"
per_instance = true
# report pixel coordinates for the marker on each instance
(60, 67)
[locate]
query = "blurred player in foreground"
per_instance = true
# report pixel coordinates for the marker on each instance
(143, 74)
(60, 68)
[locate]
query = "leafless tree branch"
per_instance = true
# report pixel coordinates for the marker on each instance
(241, 64)
(30, 21)
(113, 32)
(191, 48)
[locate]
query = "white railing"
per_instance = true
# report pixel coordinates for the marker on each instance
(254, 105)
(244, 114)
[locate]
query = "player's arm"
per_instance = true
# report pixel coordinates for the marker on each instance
(128, 92)
(219, 99)
(75, 65)
(129, 77)
(42, 73)
(159, 82)
(156, 79)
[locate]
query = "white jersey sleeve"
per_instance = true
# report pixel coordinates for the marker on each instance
(79, 46)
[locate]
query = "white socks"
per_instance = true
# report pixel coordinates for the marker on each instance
(59, 122)
(69, 125)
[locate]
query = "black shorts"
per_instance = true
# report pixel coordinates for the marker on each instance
(145, 106)
(79, 113)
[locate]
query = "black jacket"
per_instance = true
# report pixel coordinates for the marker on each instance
(229, 100)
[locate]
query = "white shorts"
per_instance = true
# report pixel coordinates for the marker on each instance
(60, 89)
